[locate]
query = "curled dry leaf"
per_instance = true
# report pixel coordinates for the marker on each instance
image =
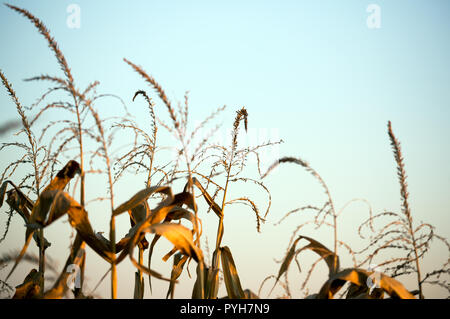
(21, 204)
(330, 258)
(76, 257)
(231, 277)
(178, 263)
(211, 280)
(138, 286)
(28, 203)
(142, 196)
(30, 288)
(174, 211)
(214, 206)
(359, 277)
(54, 204)
(180, 236)
(250, 294)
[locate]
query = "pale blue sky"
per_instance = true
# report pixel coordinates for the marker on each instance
(312, 70)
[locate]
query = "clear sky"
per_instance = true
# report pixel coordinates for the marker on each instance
(309, 72)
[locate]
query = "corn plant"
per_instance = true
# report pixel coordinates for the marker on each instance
(80, 145)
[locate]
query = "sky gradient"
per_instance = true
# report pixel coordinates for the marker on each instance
(309, 72)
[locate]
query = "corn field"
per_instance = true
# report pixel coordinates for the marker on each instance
(49, 182)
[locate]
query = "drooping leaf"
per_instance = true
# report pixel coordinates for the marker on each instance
(231, 277)
(76, 257)
(216, 208)
(178, 235)
(31, 286)
(198, 292)
(26, 201)
(330, 258)
(178, 263)
(363, 292)
(326, 254)
(141, 196)
(23, 205)
(286, 262)
(213, 276)
(250, 294)
(139, 213)
(138, 286)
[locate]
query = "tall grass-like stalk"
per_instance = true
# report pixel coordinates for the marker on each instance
(398, 233)
(67, 84)
(137, 157)
(80, 105)
(179, 129)
(224, 167)
(331, 210)
(404, 197)
(32, 154)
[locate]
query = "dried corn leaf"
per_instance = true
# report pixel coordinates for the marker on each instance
(150, 253)
(362, 292)
(286, 262)
(139, 213)
(181, 238)
(78, 218)
(250, 294)
(27, 202)
(16, 202)
(170, 253)
(140, 197)
(315, 246)
(178, 263)
(174, 211)
(138, 286)
(198, 292)
(210, 280)
(77, 255)
(38, 214)
(330, 258)
(216, 208)
(30, 288)
(359, 277)
(178, 235)
(2, 192)
(20, 203)
(231, 277)
(213, 276)
(56, 203)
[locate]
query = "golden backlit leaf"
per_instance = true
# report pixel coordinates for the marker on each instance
(76, 257)
(178, 263)
(178, 235)
(330, 258)
(141, 196)
(30, 288)
(231, 277)
(216, 208)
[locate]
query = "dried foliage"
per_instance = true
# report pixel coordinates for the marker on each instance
(399, 234)
(37, 187)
